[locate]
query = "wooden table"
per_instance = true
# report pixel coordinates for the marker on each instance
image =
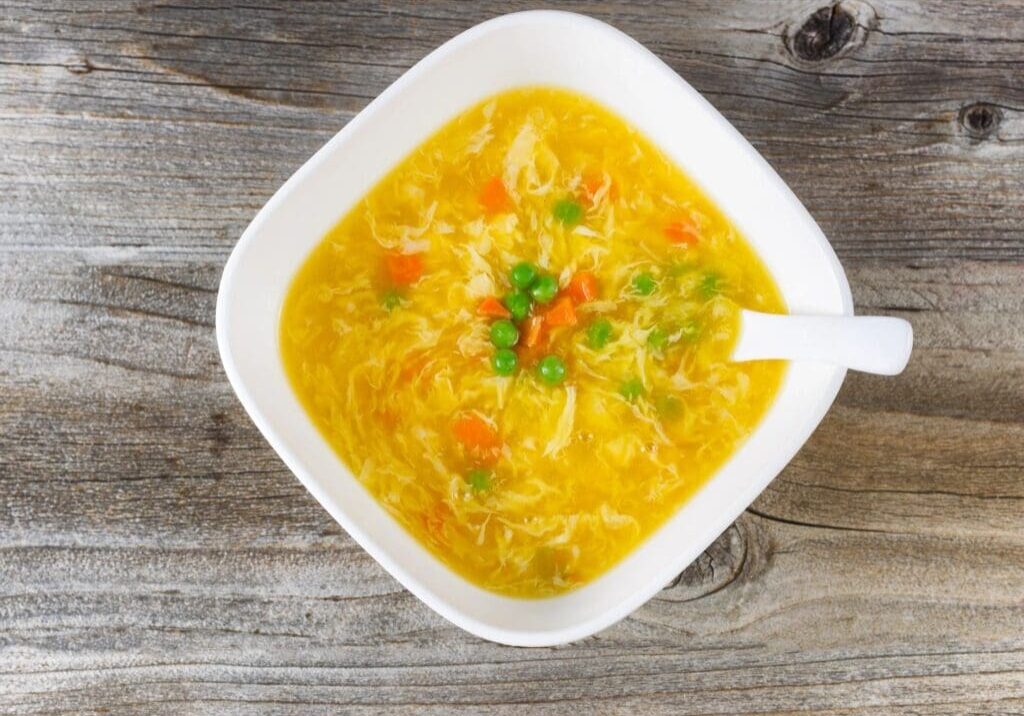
(155, 555)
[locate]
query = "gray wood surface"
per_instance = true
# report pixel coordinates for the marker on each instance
(157, 558)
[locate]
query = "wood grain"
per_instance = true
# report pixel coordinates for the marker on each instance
(155, 555)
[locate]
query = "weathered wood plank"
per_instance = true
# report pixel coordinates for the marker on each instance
(156, 557)
(109, 568)
(196, 635)
(878, 140)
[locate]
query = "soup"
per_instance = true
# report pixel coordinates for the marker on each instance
(518, 341)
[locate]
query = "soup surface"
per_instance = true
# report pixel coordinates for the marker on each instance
(517, 341)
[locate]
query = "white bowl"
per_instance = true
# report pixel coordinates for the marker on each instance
(581, 54)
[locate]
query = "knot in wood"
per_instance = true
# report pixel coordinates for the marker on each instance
(824, 34)
(980, 120)
(715, 569)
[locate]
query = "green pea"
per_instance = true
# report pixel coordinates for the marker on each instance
(504, 334)
(710, 285)
(568, 211)
(657, 339)
(691, 330)
(545, 289)
(644, 284)
(479, 480)
(631, 389)
(522, 275)
(518, 304)
(551, 370)
(668, 406)
(504, 361)
(391, 300)
(599, 333)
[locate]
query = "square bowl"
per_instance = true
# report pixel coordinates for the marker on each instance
(587, 56)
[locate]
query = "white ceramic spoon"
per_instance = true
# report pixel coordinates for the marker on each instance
(873, 344)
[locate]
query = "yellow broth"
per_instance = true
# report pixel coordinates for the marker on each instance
(525, 484)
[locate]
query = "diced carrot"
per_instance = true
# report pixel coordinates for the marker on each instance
(592, 183)
(404, 268)
(413, 365)
(583, 287)
(493, 308)
(476, 435)
(533, 332)
(561, 313)
(387, 418)
(435, 521)
(494, 197)
(683, 231)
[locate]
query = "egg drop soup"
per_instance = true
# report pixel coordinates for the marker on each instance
(518, 341)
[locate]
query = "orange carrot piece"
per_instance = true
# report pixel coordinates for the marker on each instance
(492, 308)
(435, 521)
(475, 433)
(561, 313)
(683, 232)
(412, 366)
(583, 287)
(533, 332)
(481, 441)
(494, 197)
(592, 183)
(404, 268)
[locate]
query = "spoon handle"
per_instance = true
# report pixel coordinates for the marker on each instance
(873, 344)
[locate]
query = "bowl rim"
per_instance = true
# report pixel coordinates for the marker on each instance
(438, 602)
